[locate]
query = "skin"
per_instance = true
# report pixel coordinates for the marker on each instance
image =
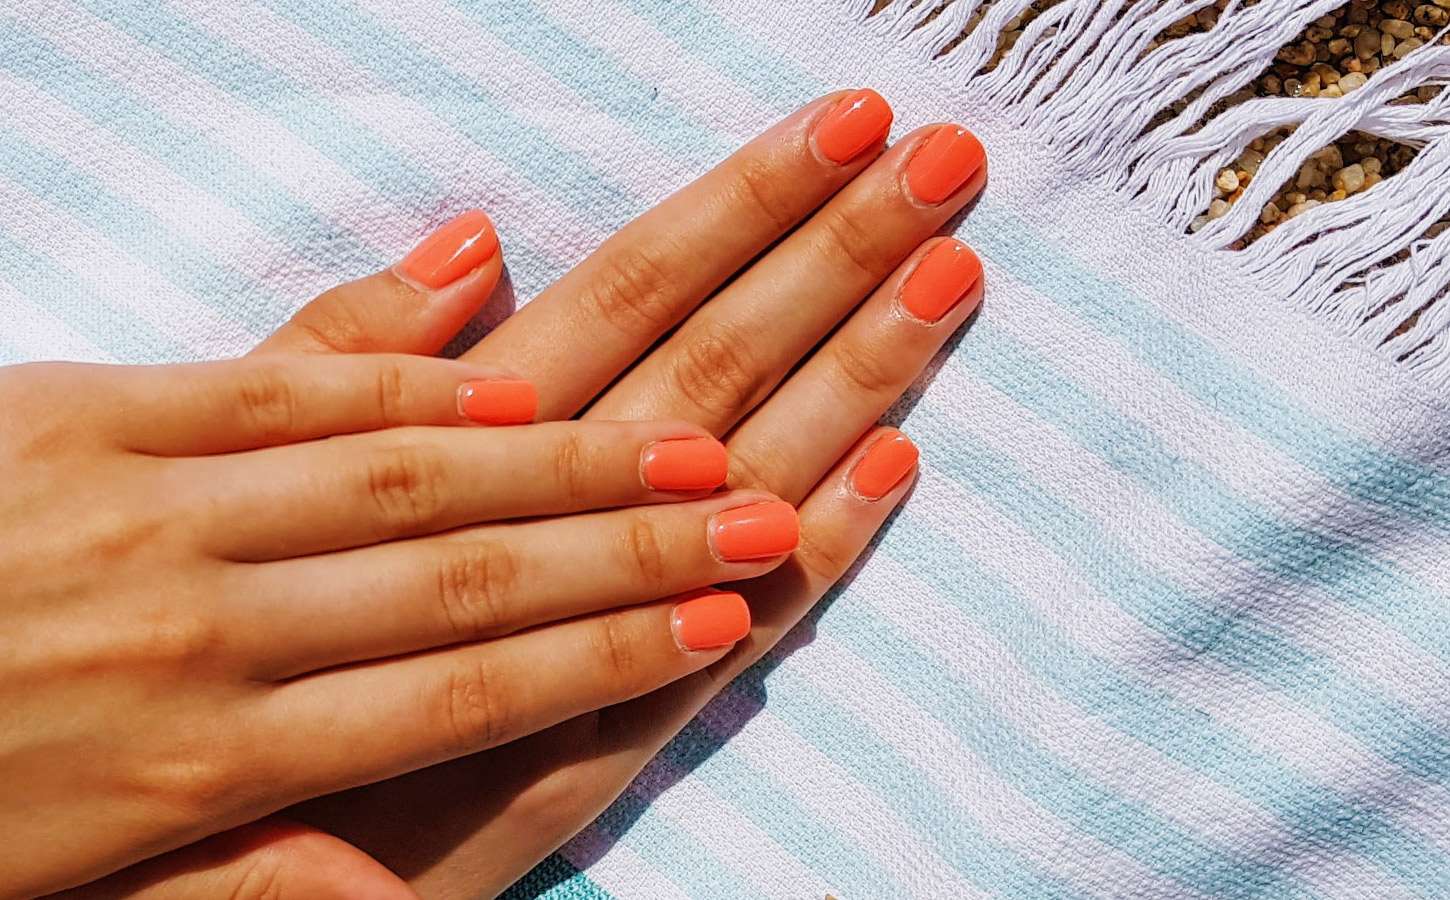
(794, 389)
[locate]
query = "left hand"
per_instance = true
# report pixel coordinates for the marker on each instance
(856, 234)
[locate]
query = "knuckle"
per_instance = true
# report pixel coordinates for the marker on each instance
(644, 551)
(614, 646)
(761, 468)
(405, 486)
(332, 322)
(186, 641)
(865, 369)
(476, 584)
(632, 291)
(825, 560)
(260, 878)
(267, 403)
(475, 707)
(574, 465)
(760, 187)
(392, 394)
(716, 371)
(854, 241)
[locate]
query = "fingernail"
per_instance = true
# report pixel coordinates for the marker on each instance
(757, 531)
(501, 401)
(859, 121)
(941, 280)
(944, 163)
(451, 252)
(688, 464)
(884, 464)
(710, 618)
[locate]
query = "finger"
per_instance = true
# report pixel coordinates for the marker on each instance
(258, 402)
(445, 703)
(721, 362)
(650, 275)
(353, 491)
(269, 860)
(808, 424)
(488, 582)
(415, 307)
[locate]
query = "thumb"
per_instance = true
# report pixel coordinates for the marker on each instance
(417, 306)
(274, 859)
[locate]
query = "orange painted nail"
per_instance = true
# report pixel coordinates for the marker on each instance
(501, 401)
(941, 280)
(709, 618)
(944, 163)
(859, 121)
(451, 252)
(690, 464)
(757, 531)
(884, 464)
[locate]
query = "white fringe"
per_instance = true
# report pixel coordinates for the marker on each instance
(1081, 76)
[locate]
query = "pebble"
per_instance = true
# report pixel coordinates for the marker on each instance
(1299, 208)
(1349, 179)
(1353, 81)
(1397, 28)
(1227, 181)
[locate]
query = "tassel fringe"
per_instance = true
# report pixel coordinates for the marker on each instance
(1151, 121)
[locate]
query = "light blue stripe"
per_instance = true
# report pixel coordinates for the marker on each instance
(211, 166)
(869, 759)
(616, 91)
(315, 120)
(674, 853)
(231, 293)
(466, 105)
(120, 332)
(11, 355)
(555, 879)
(767, 803)
(775, 80)
(1357, 467)
(282, 98)
(1157, 843)
(1287, 555)
(1331, 820)
(1198, 627)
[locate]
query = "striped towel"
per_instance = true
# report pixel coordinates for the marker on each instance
(1165, 616)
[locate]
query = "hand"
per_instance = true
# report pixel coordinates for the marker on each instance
(456, 830)
(211, 613)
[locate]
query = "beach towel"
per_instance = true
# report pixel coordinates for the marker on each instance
(1165, 615)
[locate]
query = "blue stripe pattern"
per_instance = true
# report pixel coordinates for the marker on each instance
(1225, 630)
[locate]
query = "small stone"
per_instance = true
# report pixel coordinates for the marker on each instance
(1311, 176)
(1431, 15)
(1406, 47)
(1227, 181)
(1271, 214)
(1353, 81)
(1396, 9)
(1372, 180)
(1349, 179)
(1198, 223)
(1338, 47)
(1371, 165)
(1397, 28)
(1249, 161)
(1293, 87)
(1352, 65)
(1329, 157)
(1337, 194)
(1332, 91)
(1301, 54)
(1443, 4)
(1327, 74)
(1300, 208)
(1367, 44)
(1218, 208)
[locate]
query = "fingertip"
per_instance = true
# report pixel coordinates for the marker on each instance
(709, 619)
